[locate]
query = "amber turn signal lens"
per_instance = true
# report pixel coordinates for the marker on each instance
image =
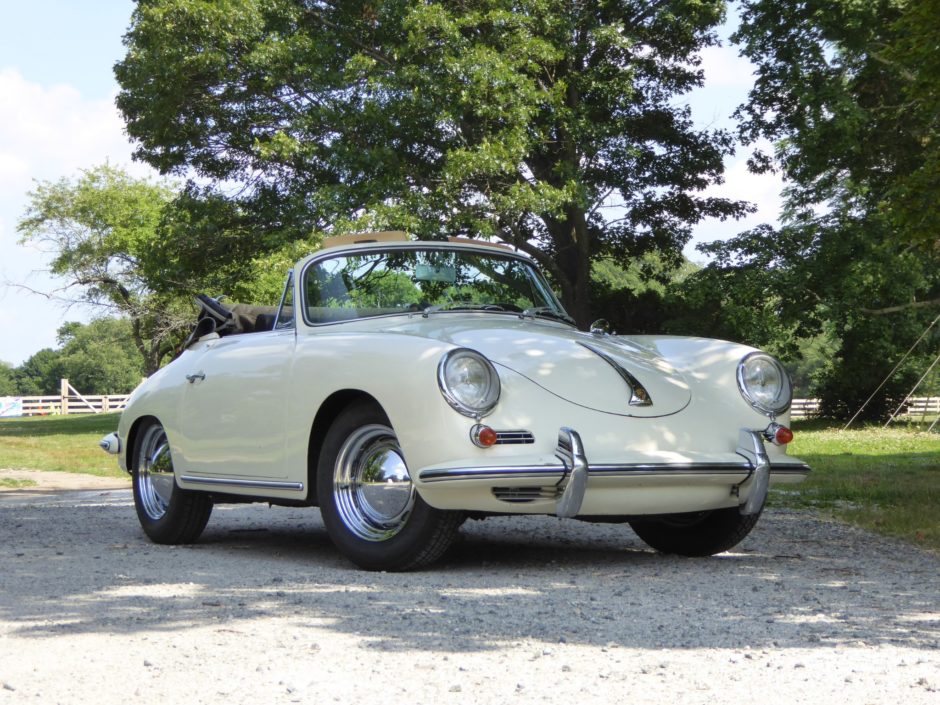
(483, 436)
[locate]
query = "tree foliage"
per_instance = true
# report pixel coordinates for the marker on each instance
(39, 374)
(102, 230)
(100, 357)
(528, 121)
(7, 380)
(97, 358)
(850, 92)
(847, 94)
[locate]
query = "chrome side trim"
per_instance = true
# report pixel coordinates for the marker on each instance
(571, 451)
(638, 394)
(244, 484)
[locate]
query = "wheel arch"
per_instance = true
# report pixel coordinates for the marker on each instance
(131, 442)
(328, 411)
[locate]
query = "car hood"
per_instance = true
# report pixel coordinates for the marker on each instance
(576, 366)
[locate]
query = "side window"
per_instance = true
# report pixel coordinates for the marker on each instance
(285, 314)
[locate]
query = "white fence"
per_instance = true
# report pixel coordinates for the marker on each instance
(67, 401)
(913, 407)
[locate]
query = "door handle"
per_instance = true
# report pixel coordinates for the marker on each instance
(192, 378)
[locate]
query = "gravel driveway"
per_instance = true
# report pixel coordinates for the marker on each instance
(263, 610)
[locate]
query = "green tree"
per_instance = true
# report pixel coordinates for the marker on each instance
(97, 358)
(7, 380)
(39, 374)
(102, 229)
(639, 297)
(848, 112)
(100, 357)
(528, 121)
(912, 204)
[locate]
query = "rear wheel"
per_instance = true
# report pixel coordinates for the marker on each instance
(369, 505)
(168, 514)
(696, 534)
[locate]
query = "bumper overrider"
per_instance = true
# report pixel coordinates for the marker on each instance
(110, 444)
(749, 478)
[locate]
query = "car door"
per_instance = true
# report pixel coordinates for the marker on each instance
(234, 408)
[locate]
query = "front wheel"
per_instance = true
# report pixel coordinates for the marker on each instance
(697, 534)
(168, 514)
(369, 505)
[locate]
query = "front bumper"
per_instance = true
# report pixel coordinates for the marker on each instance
(110, 444)
(573, 486)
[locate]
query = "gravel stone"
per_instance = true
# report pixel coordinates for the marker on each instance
(522, 609)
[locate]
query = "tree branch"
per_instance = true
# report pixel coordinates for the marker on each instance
(902, 307)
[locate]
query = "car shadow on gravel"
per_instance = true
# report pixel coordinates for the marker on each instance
(797, 581)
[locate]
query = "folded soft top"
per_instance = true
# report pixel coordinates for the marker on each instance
(229, 319)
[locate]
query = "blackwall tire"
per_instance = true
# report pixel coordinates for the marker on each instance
(369, 505)
(167, 514)
(699, 534)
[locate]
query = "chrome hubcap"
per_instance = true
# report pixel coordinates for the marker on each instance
(155, 473)
(371, 485)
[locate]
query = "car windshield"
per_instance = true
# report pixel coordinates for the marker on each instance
(425, 281)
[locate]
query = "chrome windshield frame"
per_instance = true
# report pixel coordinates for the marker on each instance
(538, 280)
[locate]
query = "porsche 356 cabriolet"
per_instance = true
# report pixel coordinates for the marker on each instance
(404, 386)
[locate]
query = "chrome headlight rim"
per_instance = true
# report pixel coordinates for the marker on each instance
(459, 405)
(785, 395)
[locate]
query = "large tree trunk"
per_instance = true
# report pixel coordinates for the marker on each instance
(574, 264)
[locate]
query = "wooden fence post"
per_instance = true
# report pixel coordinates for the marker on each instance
(64, 396)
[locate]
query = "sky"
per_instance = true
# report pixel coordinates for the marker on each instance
(57, 117)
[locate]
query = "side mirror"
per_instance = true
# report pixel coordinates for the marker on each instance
(600, 327)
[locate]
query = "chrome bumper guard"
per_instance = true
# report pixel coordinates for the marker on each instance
(751, 446)
(571, 452)
(110, 444)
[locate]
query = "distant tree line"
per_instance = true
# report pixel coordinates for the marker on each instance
(97, 358)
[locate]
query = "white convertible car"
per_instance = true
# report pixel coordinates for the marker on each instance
(405, 386)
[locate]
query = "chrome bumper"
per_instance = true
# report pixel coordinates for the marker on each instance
(571, 476)
(571, 453)
(110, 444)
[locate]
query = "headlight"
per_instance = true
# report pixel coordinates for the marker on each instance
(764, 383)
(468, 382)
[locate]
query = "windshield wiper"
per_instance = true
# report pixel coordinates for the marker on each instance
(460, 306)
(546, 312)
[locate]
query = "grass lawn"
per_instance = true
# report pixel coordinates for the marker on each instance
(887, 480)
(12, 483)
(65, 443)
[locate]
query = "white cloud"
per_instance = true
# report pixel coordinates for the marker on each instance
(46, 132)
(51, 131)
(725, 68)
